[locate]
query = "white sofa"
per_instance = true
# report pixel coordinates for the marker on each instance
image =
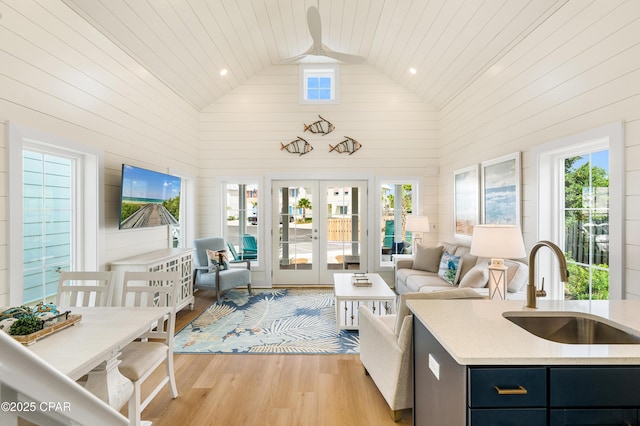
(420, 272)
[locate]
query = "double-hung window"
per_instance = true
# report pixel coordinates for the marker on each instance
(54, 188)
(585, 221)
(580, 190)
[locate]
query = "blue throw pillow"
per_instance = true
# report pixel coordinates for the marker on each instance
(449, 269)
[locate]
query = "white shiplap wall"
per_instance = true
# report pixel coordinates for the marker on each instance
(61, 76)
(240, 134)
(577, 71)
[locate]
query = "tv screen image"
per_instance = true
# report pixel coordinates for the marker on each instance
(148, 198)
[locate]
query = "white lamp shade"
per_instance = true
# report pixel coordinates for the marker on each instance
(417, 223)
(497, 241)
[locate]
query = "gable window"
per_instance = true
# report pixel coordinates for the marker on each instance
(318, 83)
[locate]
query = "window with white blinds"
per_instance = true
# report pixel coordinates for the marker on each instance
(48, 195)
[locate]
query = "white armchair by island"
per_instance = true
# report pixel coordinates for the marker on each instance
(385, 348)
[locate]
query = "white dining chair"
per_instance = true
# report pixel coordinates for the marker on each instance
(85, 288)
(141, 358)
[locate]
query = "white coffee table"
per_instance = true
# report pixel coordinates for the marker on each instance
(378, 297)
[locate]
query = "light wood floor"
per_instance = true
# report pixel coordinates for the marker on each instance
(279, 390)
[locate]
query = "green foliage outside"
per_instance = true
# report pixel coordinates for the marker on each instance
(582, 177)
(578, 286)
(406, 199)
(304, 204)
(580, 186)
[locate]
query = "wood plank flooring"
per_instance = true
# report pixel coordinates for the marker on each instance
(278, 390)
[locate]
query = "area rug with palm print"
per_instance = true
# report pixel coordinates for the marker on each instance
(274, 321)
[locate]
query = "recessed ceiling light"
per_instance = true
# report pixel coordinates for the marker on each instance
(223, 72)
(413, 70)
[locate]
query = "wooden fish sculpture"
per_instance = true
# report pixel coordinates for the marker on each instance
(298, 146)
(349, 145)
(321, 126)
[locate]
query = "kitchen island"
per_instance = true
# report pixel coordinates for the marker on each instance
(473, 366)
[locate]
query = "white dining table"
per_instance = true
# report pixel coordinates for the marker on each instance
(91, 347)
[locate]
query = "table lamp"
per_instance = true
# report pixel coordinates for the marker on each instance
(417, 225)
(497, 242)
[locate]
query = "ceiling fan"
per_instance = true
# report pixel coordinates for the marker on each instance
(318, 48)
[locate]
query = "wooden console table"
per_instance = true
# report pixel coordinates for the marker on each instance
(171, 259)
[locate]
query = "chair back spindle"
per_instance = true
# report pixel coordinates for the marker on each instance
(85, 288)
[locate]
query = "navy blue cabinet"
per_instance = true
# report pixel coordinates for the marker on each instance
(507, 416)
(492, 387)
(595, 417)
(507, 396)
(448, 393)
(597, 386)
(598, 395)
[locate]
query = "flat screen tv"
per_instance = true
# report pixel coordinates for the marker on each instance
(148, 198)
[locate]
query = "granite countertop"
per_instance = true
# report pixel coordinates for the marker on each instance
(474, 332)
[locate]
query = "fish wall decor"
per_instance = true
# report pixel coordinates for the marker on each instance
(349, 145)
(321, 126)
(298, 146)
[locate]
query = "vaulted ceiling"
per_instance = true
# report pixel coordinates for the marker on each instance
(186, 43)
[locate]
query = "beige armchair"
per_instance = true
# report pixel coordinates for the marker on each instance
(386, 349)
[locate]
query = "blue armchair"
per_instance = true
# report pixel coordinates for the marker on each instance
(213, 272)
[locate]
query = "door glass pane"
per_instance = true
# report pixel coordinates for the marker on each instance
(343, 227)
(295, 207)
(47, 223)
(241, 232)
(396, 203)
(586, 225)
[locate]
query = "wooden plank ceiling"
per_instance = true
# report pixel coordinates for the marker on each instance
(185, 43)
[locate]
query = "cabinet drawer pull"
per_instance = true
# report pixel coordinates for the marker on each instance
(520, 391)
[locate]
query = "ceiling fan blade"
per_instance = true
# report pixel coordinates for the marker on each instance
(315, 26)
(294, 59)
(318, 48)
(343, 57)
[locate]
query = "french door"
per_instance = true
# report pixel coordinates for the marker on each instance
(319, 228)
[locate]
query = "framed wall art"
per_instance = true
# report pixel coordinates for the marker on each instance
(500, 190)
(466, 201)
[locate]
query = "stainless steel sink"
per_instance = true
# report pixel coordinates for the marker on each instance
(571, 327)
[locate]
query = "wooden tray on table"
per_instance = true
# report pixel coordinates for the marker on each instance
(61, 324)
